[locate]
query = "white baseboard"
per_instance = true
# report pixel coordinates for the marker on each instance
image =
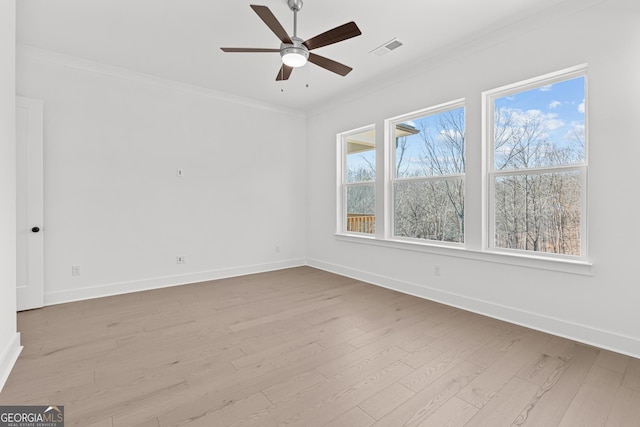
(8, 358)
(573, 331)
(164, 282)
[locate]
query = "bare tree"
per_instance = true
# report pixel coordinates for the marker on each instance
(535, 211)
(432, 208)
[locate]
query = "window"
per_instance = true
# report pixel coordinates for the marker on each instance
(427, 180)
(358, 181)
(522, 200)
(538, 165)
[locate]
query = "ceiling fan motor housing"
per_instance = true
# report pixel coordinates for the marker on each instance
(296, 51)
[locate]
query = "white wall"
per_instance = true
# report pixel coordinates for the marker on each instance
(113, 141)
(600, 308)
(9, 338)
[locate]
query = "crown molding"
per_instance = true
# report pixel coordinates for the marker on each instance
(63, 60)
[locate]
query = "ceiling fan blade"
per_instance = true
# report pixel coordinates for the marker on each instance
(338, 34)
(247, 49)
(272, 22)
(284, 73)
(329, 64)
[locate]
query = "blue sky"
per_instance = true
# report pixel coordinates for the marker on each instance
(413, 160)
(559, 106)
(566, 99)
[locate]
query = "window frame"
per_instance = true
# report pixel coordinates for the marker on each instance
(488, 111)
(390, 172)
(478, 162)
(343, 184)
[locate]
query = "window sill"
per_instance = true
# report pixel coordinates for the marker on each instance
(570, 266)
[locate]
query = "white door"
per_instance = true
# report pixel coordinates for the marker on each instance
(29, 229)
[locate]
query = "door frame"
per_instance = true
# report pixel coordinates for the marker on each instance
(30, 289)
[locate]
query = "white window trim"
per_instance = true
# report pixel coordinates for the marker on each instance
(342, 184)
(570, 266)
(384, 223)
(488, 102)
(390, 170)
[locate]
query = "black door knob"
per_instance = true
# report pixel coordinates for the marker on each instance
(35, 229)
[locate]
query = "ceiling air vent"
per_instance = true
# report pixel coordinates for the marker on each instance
(387, 47)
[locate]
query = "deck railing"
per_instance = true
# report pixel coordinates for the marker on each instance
(361, 223)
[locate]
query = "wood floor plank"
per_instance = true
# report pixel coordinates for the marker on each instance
(594, 399)
(454, 413)
(31, 382)
(113, 401)
(625, 410)
(231, 413)
(102, 423)
(322, 405)
(279, 356)
(367, 306)
(356, 417)
(632, 375)
(216, 388)
(288, 389)
(359, 357)
(340, 402)
(400, 325)
(506, 404)
(386, 401)
(505, 338)
(441, 364)
(465, 329)
(327, 334)
(614, 361)
(551, 357)
(420, 407)
(417, 343)
(306, 347)
(261, 377)
(283, 314)
(556, 393)
(480, 391)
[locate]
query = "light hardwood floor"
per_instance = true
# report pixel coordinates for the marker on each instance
(303, 347)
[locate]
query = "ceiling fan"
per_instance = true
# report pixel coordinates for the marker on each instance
(293, 50)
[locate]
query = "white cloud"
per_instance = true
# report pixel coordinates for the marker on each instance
(553, 124)
(555, 104)
(546, 88)
(581, 107)
(520, 120)
(449, 134)
(576, 132)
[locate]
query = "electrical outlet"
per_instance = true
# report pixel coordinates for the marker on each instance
(181, 259)
(436, 270)
(75, 270)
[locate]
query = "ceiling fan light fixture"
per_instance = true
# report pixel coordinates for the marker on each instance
(294, 56)
(294, 51)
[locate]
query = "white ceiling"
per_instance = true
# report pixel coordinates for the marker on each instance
(180, 39)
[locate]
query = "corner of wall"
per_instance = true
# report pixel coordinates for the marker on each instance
(8, 358)
(9, 338)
